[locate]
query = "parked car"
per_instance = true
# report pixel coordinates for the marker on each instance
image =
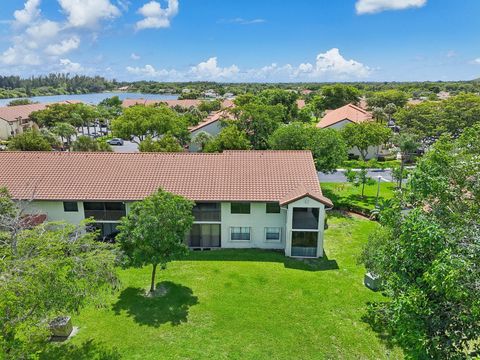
(115, 141)
(95, 135)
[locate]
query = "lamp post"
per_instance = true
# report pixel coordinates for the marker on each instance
(378, 191)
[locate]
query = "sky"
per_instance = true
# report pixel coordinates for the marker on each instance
(243, 40)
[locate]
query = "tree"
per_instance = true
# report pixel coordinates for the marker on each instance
(65, 131)
(259, 121)
(209, 106)
(18, 102)
(382, 98)
(74, 114)
(390, 109)
(428, 258)
(154, 230)
(47, 270)
(88, 144)
(407, 144)
(229, 138)
(166, 143)
(29, 140)
(378, 114)
(359, 178)
(335, 96)
(288, 99)
(138, 122)
(201, 139)
(364, 135)
(327, 145)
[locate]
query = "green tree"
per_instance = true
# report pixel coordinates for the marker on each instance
(294, 136)
(229, 138)
(407, 144)
(18, 102)
(259, 121)
(359, 178)
(142, 121)
(335, 96)
(210, 105)
(428, 258)
(364, 135)
(288, 99)
(154, 230)
(49, 270)
(382, 98)
(88, 144)
(29, 140)
(166, 143)
(65, 131)
(201, 139)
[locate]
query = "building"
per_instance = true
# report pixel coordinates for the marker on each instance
(16, 119)
(348, 114)
(244, 199)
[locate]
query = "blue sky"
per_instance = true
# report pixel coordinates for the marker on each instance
(248, 40)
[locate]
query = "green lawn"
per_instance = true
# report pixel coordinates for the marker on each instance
(240, 304)
(347, 196)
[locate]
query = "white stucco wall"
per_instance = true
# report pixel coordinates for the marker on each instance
(54, 211)
(212, 129)
(257, 221)
(6, 128)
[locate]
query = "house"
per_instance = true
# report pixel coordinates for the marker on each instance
(16, 119)
(244, 199)
(348, 114)
(210, 125)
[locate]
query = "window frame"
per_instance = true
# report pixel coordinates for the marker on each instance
(272, 212)
(241, 232)
(279, 234)
(70, 203)
(241, 203)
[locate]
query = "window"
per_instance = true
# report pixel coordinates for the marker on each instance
(204, 235)
(272, 233)
(304, 243)
(273, 208)
(70, 206)
(240, 208)
(240, 234)
(206, 212)
(107, 211)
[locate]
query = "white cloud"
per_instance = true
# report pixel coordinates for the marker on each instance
(242, 21)
(329, 66)
(88, 13)
(43, 30)
(68, 66)
(29, 12)
(476, 61)
(155, 16)
(209, 70)
(64, 47)
(376, 6)
(134, 56)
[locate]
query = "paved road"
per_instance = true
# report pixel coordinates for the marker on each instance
(338, 176)
(127, 147)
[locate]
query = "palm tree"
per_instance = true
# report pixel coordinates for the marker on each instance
(65, 131)
(378, 114)
(407, 143)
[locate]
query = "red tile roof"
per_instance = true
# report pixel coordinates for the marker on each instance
(22, 112)
(349, 112)
(301, 103)
(281, 176)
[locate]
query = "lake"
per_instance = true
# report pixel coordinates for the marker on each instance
(95, 98)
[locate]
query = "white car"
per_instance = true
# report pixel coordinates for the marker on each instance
(115, 141)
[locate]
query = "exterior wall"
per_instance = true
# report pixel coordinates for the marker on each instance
(305, 202)
(212, 129)
(6, 128)
(257, 221)
(54, 211)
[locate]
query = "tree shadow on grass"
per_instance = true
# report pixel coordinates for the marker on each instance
(170, 308)
(89, 350)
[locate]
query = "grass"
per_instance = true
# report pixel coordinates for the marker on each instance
(240, 304)
(357, 164)
(348, 197)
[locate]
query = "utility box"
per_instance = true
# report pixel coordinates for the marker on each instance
(372, 281)
(61, 327)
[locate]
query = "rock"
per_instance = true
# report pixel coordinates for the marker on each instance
(61, 327)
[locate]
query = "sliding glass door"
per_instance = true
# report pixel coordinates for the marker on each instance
(204, 236)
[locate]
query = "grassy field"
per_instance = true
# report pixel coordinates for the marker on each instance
(240, 304)
(347, 196)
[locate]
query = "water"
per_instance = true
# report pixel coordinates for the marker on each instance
(95, 98)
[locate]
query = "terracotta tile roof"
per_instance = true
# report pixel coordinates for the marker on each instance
(186, 103)
(300, 103)
(22, 112)
(212, 118)
(231, 176)
(348, 112)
